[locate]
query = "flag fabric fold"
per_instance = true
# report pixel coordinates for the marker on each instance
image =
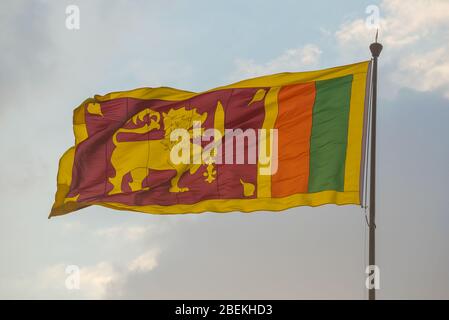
(268, 143)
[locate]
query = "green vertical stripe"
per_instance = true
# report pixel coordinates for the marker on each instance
(329, 134)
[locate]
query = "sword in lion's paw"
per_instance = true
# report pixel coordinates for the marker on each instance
(210, 174)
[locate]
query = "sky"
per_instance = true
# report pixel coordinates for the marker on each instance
(46, 70)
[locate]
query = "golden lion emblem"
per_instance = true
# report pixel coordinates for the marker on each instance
(140, 157)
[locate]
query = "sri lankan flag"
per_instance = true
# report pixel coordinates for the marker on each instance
(302, 136)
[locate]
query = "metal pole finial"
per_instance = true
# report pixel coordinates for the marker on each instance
(376, 47)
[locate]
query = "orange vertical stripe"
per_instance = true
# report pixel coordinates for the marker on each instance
(294, 124)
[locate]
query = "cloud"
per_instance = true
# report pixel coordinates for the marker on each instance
(127, 233)
(428, 71)
(413, 57)
(132, 233)
(402, 23)
(98, 280)
(145, 262)
(94, 280)
(291, 60)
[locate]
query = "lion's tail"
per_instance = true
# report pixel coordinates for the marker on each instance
(145, 129)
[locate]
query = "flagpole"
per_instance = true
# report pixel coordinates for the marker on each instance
(375, 49)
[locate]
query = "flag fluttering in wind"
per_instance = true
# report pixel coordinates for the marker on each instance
(268, 143)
